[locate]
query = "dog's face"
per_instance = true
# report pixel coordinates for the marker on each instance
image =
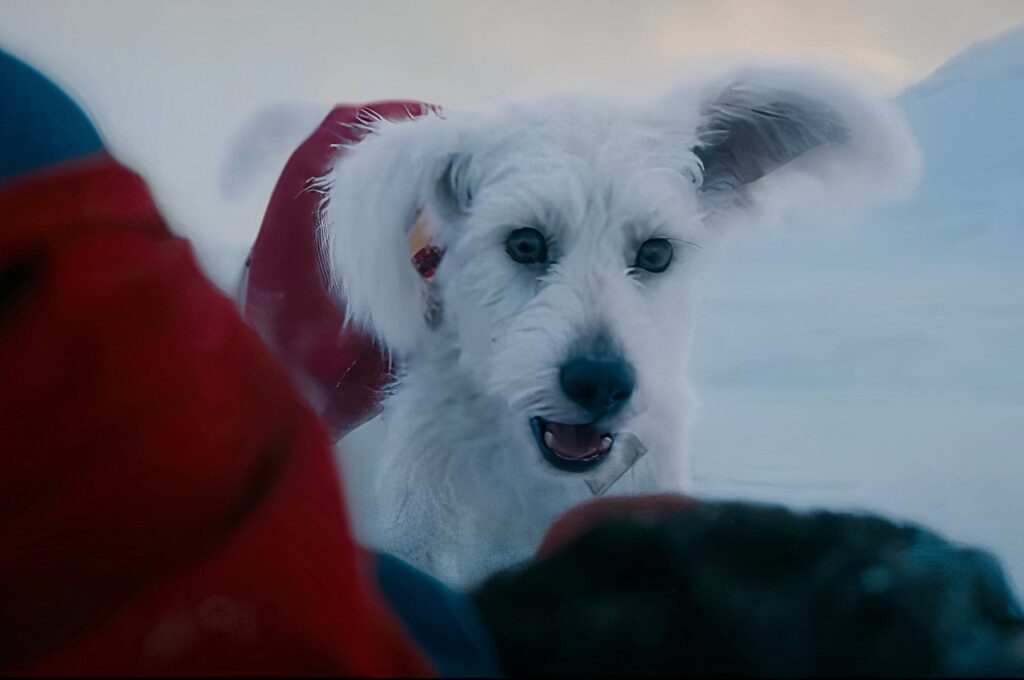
(567, 282)
(572, 235)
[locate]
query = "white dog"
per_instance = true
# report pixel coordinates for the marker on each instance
(549, 352)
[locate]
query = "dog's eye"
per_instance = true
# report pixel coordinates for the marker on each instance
(654, 255)
(527, 246)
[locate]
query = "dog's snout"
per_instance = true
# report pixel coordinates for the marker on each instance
(602, 386)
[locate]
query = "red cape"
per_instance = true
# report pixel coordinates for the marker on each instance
(287, 298)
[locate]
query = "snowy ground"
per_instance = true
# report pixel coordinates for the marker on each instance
(883, 368)
(879, 368)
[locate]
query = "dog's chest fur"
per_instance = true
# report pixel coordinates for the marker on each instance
(445, 486)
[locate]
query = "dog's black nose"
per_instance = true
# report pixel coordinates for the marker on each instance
(600, 385)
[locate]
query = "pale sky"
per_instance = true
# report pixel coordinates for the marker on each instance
(169, 81)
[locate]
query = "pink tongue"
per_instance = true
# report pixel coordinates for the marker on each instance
(573, 441)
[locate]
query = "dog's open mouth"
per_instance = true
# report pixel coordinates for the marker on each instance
(572, 447)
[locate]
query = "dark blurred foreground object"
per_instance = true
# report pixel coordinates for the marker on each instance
(666, 586)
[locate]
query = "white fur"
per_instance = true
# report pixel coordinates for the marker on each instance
(460, 487)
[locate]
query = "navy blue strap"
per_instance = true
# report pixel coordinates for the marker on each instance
(442, 621)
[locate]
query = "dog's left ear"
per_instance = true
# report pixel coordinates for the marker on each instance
(391, 199)
(774, 137)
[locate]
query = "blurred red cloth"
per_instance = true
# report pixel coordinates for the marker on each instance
(340, 369)
(168, 503)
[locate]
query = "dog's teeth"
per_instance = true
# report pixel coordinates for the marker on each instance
(606, 442)
(549, 439)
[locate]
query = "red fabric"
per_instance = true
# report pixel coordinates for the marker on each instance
(590, 514)
(168, 503)
(339, 369)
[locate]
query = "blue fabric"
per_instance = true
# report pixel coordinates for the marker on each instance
(442, 621)
(39, 124)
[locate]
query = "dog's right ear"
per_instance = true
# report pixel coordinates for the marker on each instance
(401, 175)
(775, 138)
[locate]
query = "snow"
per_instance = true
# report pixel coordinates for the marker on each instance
(881, 368)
